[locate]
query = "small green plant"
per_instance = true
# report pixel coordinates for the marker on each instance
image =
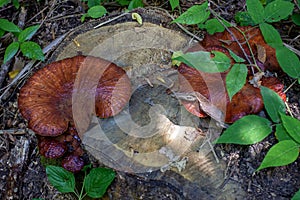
(95, 183)
(29, 49)
(5, 2)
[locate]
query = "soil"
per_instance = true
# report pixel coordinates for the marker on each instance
(22, 170)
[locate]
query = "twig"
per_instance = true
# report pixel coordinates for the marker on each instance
(30, 64)
(285, 91)
(13, 131)
(296, 51)
(111, 20)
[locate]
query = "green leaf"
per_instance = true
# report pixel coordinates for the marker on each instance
(92, 3)
(135, 4)
(201, 60)
(174, 4)
(271, 35)
(96, 11)
(214, 26)
(273, 103)
(32, 50)
(97, 181)
(11, 51)
(278, 10)
(282, 153)
(247, 130)
(61, 179)
(9, 26)
(281, 134)
(194, 15)
(4, 2)
(1, 32)
(222, 61)
(256, 11)
(292, 126)
(236, 79)
(288, 61)
(296, 18)
(27, 33)
(16, 3)
(296, 196)
(244, 19)
(235, 57)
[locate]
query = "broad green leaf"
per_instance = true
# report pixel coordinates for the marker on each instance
(11, 51)
(288, 61)
(61, 179)
(213, 26)
(235, 57)
(135, 4)
(247, 130)
(4, 2)
(1, 32)
(27, 33)
(9, 26)
(296, 18)
(16, 3)
(96, 11)
(32, 50)
(174, 4)
(222, 61)
(244, 19)
(273, 103)
(282, 153)
(296, 196)
(236, 79)
(194, 15)
(201, 60)
(281, 134)
(92, 3)
(256, 11)
(97, 181)
(292, 126)
(278, 10)
(271, 35)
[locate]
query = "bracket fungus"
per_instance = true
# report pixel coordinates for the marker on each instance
(45, 101)
(248, 100)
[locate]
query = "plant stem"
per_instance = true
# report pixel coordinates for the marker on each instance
(81, 192)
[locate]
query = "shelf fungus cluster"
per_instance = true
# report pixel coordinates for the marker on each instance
(45, 101)
(248, 100)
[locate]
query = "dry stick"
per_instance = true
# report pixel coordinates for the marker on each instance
(27, 67)
(296, 51)
(110, 20)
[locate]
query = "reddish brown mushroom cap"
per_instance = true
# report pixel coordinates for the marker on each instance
(46, 99)
(247, 101)
(255, 39)
(51, 148)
